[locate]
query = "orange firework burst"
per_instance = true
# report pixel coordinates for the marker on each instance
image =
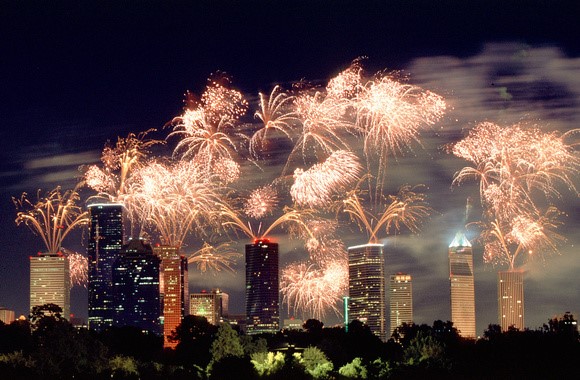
(312, 291)
(315, 187)
(52, 217)
(275, 114)
(261, 202)
(78, 267)
(519, 169)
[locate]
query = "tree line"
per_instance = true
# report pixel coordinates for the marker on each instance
(47, 346)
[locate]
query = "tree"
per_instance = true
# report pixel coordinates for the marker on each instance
(267, 363)
(424, 349)
(353, 370)
(315, 363)
(194, 336)
(227, 343)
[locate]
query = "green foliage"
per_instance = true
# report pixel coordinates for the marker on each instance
(380, 369)
(424, 349)
(267, 363)
(17, 359)
(315, 362)
(123, 366)
(354, 370)
(226, 343)
(253, 345)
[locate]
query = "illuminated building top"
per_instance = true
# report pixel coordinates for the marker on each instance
(460, 241)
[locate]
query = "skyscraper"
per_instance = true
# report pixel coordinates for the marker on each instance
(262, 287)
(213, 305)
(174, 286)
(400, 299)
(6, 316)
(104, 244)
(462, 286)
(136, 297)
(50, 281)
(366, 287)
(510, 294)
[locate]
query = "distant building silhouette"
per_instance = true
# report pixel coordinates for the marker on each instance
(462, 286)
(262, 287)
(510, 294)
(174, 286)
(50, 281)
(136, 294)
(6, 315)
(104, 244)
(211, 305)
(366, 287)
(400, 299)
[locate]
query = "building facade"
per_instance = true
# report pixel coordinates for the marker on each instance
(174, 288)
(366, 287)
(400, 300)
(462, 286)
(6, 315)
(211, 305)
(136, 296)
(510, 295)
(104, 244)
(262, 287)
(50, 281)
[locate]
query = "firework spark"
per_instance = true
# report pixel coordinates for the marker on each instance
(79, 268)
(315, 187)
(52, 217)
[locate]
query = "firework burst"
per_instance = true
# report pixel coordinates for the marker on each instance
(214, 258)
(261, 202)
(78, 267)
(52, 217)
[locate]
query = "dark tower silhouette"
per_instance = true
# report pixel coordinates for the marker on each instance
(262, 287)
(136, 288)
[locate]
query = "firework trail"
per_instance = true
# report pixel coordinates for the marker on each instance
(52, 217)
(78, 268)
(214, 258)
(315, 187)
(519, 169)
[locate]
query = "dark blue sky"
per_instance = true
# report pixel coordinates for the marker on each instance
(73, 75)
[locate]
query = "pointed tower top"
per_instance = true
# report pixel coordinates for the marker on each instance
(460, 241)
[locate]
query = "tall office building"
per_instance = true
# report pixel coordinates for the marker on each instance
(462, 286)
(400, 299)
(213, 305)
(174, 287)
(136, 296)
(104, 244)
(510, 294)
(262, 287)
(50, 281)
(366, 287)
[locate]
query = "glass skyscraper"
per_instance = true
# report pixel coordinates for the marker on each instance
(136, 294)
(104, 244)
(366, 287)
(462, 286)
(262, 287)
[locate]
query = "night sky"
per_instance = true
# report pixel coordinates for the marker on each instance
(74, 75)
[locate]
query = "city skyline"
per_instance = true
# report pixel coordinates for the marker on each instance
(499, 82)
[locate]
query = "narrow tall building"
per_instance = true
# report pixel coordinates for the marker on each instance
(462, 286)
(50, 281)
(174, 287)
(400, 300)
(136, 294)
(211, 305)
(366, 287)
(104, 244)
(262, 287)
(510, 294)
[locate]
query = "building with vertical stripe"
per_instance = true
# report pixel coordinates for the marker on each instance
(400, 300)
(50, 281)
(462, 286)
(510, 294)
